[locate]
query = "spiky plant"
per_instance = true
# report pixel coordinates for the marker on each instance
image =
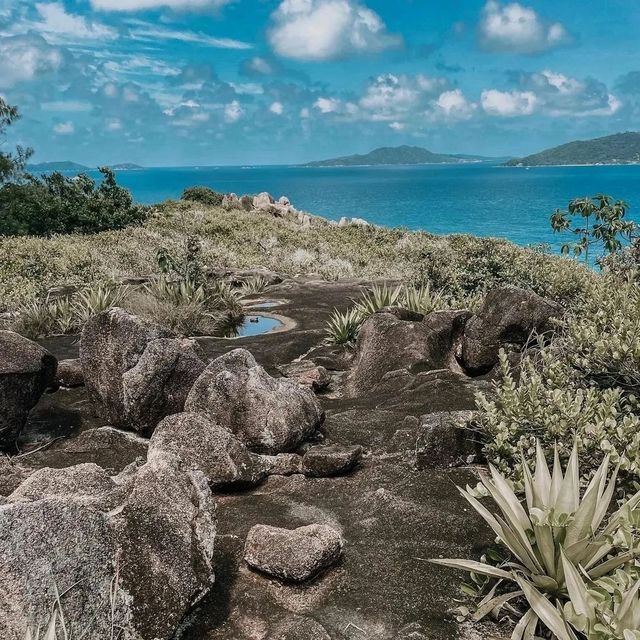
(422, 299)
(378, 297)
(253, 286)
(95, 300)
(551, 536)
(342, 328)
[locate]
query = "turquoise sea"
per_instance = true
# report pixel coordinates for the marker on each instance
(481, 199)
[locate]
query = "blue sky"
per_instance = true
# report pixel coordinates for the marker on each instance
(185, 82)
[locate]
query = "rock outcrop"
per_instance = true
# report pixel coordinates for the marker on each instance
(444, 440)
(26, 370)
(293, 555)
(393, 340)
(132, 551)
(269, 415)
(201, 444)
(69, 374)
(134, 373)
(508, 318)
(330, 460)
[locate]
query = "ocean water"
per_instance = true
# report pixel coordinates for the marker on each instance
(479, 199)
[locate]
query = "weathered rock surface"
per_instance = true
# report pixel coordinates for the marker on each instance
(11, 475)
(109, 448)
(292, 555)
(26, 370)
(308, 374)
(299, 628)
(151, 532)
(284, 464)
(387, 343)
(134, 374)
(69, 373)
(508, 318)
(201, 444)
(269, 415)
(330, 460)
(444, 440)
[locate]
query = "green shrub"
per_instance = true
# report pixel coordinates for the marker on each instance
(554, 539)
(342, 328)
(203, 195)
(55, 204)
(549, 402)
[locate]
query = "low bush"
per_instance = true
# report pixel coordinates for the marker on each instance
(57, 204)
(203, 195)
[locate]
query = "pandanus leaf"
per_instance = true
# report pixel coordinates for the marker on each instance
(473, 567)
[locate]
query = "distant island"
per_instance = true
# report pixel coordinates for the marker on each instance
(397, 155)
(620, 148)
(67, 165)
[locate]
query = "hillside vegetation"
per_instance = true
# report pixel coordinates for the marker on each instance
(394, 155)
(621, 148)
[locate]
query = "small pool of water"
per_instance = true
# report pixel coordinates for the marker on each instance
(254, 325)
(267, 304)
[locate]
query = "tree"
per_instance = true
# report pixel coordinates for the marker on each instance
(11, 165)
(599, 220)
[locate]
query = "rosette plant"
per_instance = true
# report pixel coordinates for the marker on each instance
(552, 537)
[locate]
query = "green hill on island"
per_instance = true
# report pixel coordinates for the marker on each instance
(67, 165)
(620, 148)
(396, 155)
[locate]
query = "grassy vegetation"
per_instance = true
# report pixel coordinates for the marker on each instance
(460, 265)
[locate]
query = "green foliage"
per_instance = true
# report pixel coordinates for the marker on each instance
(554, 539)
(203, 195)
(342, 328)
(11, 165)
(585, 383)
(188, 266)
(38, 319)
(601, 221)
(55, 204)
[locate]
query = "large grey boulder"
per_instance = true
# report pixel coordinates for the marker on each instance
(444, 439)
(269, 415)
(69, 374)
(292, 555)
(135, 375)
(133, 551)
(394, 340)
(508, 318)
(330, 460)
(26, 370)
(201, 444)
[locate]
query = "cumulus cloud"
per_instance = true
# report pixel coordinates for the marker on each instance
(277, 108)
(141, 5)
(562, 95)
(64, 128)
(453, 105)
(508, 103)
(233, 112)
(327, 105)
(327, 29)
(26, 57)
(515, 28)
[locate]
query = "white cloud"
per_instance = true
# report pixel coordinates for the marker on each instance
(277, 108)
(518, 29)
(327, 105)
(141, 5)
(152, 33)
(259, 66)
(114, 124)
(453, 105)
(508, 103)
(327, 29)
(233, 112)
(60, 26)
(397, 126)
(25, 57)
(64, 128)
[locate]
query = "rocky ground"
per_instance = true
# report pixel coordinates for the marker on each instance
(383, 490)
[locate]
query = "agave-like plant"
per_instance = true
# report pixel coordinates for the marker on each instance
(95, 300)
(378, 297)
(422, 299)
(342, 328)
(553, 536)
(253, 286)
